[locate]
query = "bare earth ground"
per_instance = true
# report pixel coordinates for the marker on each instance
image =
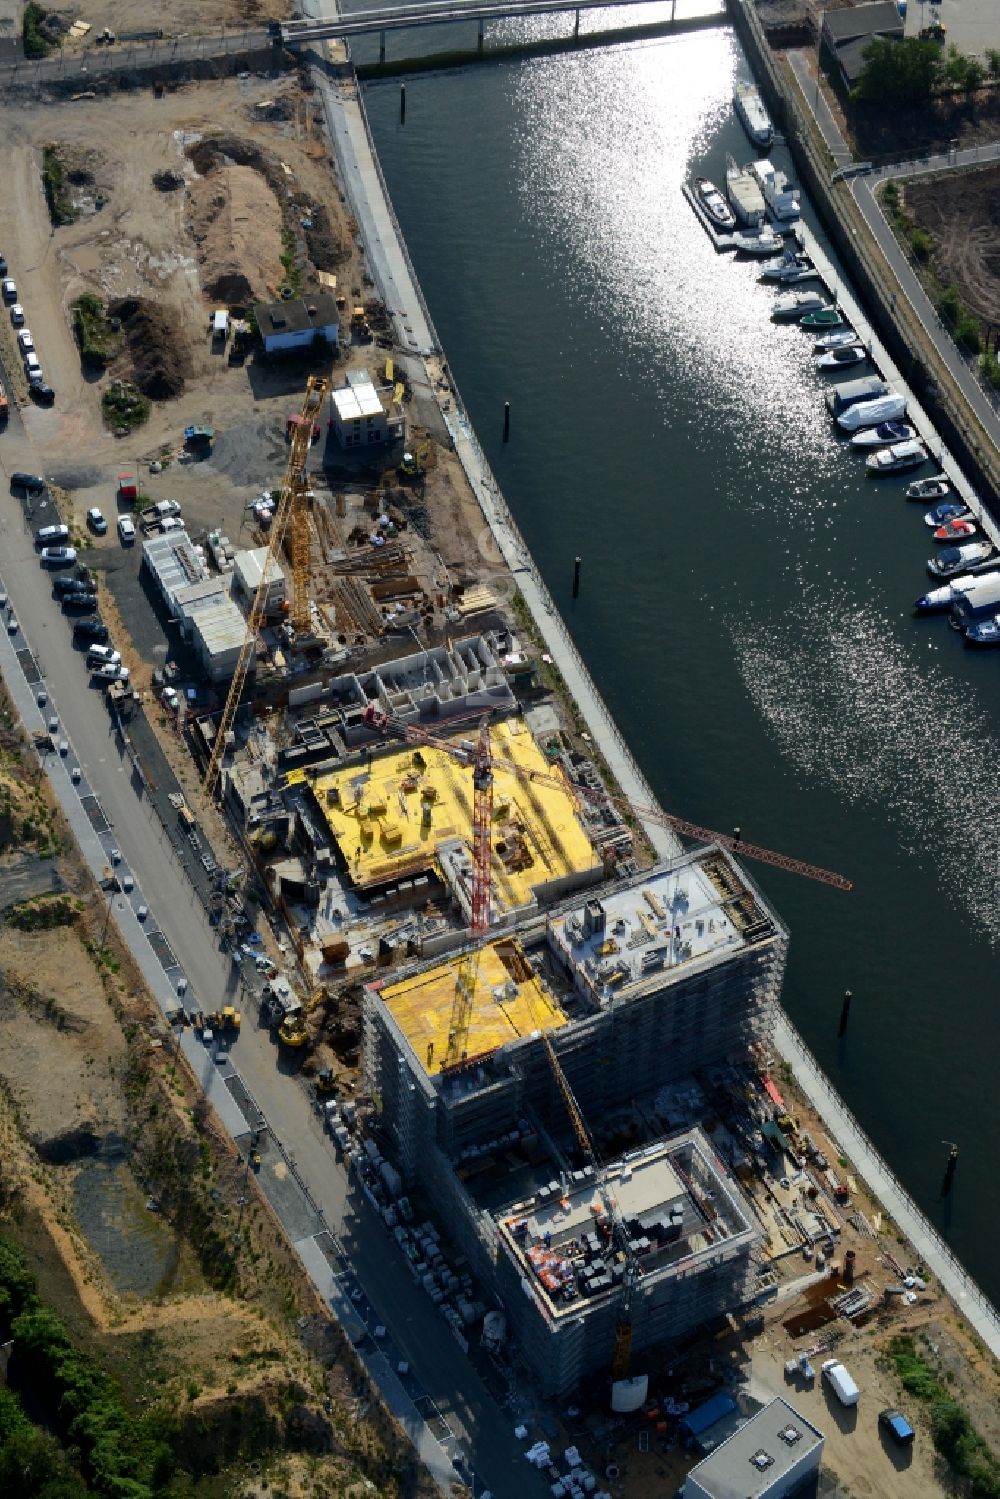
(183, 16)
(961, 212)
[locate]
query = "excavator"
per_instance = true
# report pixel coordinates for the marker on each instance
(293, 1031)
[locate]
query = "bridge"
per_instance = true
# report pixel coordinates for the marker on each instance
(449, 12)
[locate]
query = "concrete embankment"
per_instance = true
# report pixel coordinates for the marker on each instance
(383, 241)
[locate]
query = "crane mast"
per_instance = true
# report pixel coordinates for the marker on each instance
(290, 499)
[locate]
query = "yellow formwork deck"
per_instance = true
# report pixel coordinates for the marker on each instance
(389, 818)
(507, 1002)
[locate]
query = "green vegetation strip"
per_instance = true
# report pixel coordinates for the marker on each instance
(955, 1437)
(61, 210)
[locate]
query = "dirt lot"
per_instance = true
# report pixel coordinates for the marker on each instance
(961, 212)
(185, 16)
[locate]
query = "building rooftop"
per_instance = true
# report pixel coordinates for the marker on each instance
(508, 1002)
(357, 399)
(249, 566)
(757, 1456)
(394, 816)
(173, 558)
(219, 624)
(295, 315)
(677, 1207)
(879, 18)
(619, 942)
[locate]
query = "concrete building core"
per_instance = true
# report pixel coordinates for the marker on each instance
(411, 810)
(560, 1274)
(668, 973)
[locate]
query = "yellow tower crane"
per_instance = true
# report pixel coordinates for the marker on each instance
(291, 502)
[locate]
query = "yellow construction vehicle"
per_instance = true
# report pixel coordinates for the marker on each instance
(293, 1030)
(226, 1019)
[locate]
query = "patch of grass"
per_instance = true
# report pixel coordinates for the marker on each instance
(99, 342)
(61, 210)
(36, 43)
(955, 1437)
(42, 913)
(124, 406)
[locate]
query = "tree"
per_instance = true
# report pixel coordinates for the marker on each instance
(993, 62)
(905, 71)
(963, 73)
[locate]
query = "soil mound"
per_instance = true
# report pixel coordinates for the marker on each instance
(155, 351)
(235, 222)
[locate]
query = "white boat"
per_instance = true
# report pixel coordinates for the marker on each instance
(789, 269)
(796, 304)
(943, 598)
(744, 193)
(885, 432)
(841, 339)
(936, 487)
(896, 459)
(951, 560)
(843, 358)
(755, 118)
(714, 204)
(762, 241)
(886, 408)
(779, 194)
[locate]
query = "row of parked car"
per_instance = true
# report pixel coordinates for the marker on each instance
(76, 590)
(37, 385)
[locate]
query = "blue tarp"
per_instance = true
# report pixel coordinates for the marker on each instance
(706, 1414)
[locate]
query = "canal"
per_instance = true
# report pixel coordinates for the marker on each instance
(746, 598)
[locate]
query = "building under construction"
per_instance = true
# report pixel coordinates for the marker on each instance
(655, 978)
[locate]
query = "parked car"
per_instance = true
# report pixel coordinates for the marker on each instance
(58, 556)
(81, 601)
(90, 629)
(33, 483)
(25, 342)
(96, 521)
(9, 289)
(63, 585)
(896, 1424)
(103, 655)
(17, 315)
(126, 529)
(50, 536)
(42, 393)
(111, 671)
(33, 370)
(841, 1382)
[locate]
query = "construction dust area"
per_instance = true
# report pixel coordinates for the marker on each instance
(960, 211)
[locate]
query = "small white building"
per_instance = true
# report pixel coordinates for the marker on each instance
(362, 416)
(248, 570)
(213, 625)
(295, 324)
(771, 1456)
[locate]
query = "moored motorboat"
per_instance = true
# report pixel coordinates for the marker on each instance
(761, 241)
(743, 191)
(841, 339)
(888, 407)
(896, 459)
(937, 599)
(983, 631)
(779, 194)
(956, 528)
(839, 359)
(796, 304)
(755, 118)
(789, 268)
(883, 434)
(824, 317)
(714, 204)
(952, 560)
(946, 510)
(934, 488)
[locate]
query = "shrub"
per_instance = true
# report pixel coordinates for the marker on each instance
(990, 366)
(99, 343)
(124, 406)
(61, 210)
(949, 305)
(920, 244)
(967, 334)
(36, 43)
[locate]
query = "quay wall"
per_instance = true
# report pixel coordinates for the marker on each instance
(898, 326)
(970, 1299)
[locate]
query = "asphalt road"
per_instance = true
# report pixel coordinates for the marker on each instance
(441, 1367)
(863, 191)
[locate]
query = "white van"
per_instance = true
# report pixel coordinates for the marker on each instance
(33, 369)
(841, 1382)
